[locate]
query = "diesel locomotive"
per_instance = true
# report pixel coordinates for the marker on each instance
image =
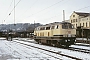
(56, 34)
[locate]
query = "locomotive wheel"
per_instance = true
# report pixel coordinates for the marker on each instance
(59, 45)
(40, 42)
(53, 45)
(66, 46)
(48, 42)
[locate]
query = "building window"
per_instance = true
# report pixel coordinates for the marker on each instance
(71, 21)
(86, 24)
(42, 28)
(56, 27)
(47, 28)
(73, 15)
(76, 20)
(52, 27)
(83, 24)
(76, 25)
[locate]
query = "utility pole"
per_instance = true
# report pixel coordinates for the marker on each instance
(14, 15)
(14, 12)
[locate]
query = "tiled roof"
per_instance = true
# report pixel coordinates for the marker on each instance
(82, 14)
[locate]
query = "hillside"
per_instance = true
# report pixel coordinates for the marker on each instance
(19, 26)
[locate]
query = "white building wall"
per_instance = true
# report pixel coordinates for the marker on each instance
(76, 20)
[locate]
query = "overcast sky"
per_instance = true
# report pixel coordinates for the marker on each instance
(40, 11)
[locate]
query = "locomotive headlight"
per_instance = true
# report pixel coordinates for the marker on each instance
(68, 40)
(65, 40)
(75, 40)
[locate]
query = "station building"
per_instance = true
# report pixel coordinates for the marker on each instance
(81, 21)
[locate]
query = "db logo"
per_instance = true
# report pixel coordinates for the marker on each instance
(69, 32)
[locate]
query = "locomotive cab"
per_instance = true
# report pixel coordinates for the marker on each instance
(69, 35)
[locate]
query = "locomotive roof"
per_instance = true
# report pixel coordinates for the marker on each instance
(55, 23)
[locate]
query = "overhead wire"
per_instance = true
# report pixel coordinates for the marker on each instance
(12, 10)
(54, 8)
(7, 11)
(83, 8)
(53, 5)
(69, 12)
(37, 12)
(16, 5)
(75, 10)
(28, 9)
(47, 7)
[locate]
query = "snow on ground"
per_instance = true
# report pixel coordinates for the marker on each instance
(82, 47)
(1, 38)
(10, 50)
(76, 46)
(81, 55)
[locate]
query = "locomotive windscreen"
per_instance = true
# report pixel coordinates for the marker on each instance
(67, 26)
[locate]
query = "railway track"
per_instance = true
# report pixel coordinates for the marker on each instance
(79, 50)
(51, 52)
(82, 45)
(14, 51)
(70, 48)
